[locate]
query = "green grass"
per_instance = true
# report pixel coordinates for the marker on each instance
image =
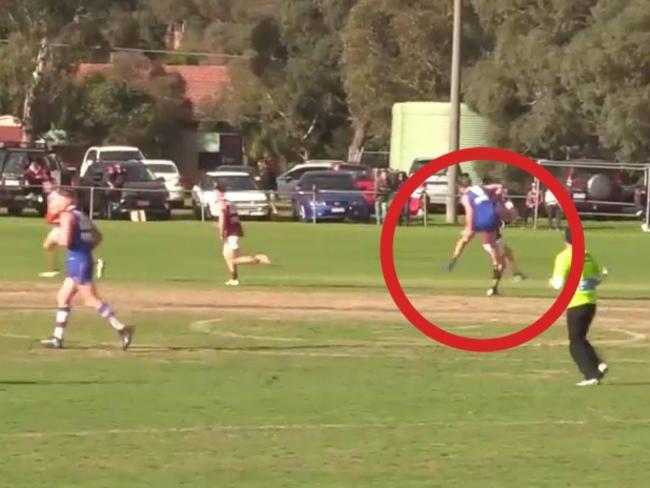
(336, 256)
(241, 402)
(260, 399)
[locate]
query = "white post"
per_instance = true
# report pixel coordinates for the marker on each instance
(91, 212)
(647, 196)
(537, 195)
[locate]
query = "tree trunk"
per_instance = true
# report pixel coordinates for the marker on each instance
(30, 94)
(359, 139)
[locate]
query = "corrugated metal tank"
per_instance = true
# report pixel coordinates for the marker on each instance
(421, 130)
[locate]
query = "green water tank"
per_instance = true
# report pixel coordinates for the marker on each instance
(421, 130)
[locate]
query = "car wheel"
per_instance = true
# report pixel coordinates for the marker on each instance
(14, 211)
(196, 210)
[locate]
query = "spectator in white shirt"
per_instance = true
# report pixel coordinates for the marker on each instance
(553, 210)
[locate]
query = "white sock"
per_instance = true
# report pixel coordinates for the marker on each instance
(116, 324)
(58, 332)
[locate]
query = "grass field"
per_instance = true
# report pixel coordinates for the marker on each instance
(308, 376)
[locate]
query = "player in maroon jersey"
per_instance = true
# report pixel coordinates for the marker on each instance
(230, 232)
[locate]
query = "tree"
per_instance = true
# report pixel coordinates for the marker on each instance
(398, 50)
(519, 84)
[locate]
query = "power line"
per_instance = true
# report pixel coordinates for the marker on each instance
(154, 51)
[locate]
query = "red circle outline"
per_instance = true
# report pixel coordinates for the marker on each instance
(466, 343)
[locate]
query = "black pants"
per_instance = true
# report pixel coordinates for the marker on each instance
(579, 320)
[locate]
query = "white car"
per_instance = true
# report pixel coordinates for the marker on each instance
(435, 185)
(241, 191)
(168, 172)
(109, 153)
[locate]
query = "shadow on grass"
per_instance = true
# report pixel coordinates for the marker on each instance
(62, 382)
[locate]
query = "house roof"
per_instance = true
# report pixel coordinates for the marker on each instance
(202, 82)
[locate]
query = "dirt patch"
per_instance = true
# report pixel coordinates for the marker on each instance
(361, 305)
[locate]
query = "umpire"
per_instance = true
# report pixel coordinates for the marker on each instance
(580, 312)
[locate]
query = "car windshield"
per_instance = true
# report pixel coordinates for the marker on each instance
(235, 183)
(120, 156)
(419, 163)
(16, 163)
(359, 172)
(138, 172)
(328, 182)
(242, 169)
(162, 168)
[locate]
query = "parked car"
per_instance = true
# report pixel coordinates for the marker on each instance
(329, 195)
(15, 195)
(168, 171)
(249, 170)
(288, 180)
(364, 179)
(109, 154)
(435, 185)
(597, 189)
(241, 191)
(139, 190)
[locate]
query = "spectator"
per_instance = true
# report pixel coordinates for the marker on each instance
(268, 181)
(640, 200)
(553, 210)
(404, 216)
(532, 202)
(36, 174)
(382, 195)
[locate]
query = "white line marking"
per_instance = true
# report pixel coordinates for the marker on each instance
(309, 427)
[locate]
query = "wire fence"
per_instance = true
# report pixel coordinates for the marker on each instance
(312, 206)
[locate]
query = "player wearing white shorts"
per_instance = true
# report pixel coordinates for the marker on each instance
(230, 232)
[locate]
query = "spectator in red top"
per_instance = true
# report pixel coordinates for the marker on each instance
(532, 201)
(36, 174)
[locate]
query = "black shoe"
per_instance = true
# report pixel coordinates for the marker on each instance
(126, 336)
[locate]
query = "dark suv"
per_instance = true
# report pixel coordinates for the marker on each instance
(15, 193)
(137, 189)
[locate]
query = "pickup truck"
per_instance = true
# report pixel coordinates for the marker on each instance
(15, 194)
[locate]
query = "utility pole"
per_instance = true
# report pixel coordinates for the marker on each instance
(454, 113)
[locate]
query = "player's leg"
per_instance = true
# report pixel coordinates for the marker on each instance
(92, 299)
(64, 299)
(497, 259)
(510, 261)
(462, 243)
(229, 256)
(579, 320)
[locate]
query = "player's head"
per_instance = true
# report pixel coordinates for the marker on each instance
(66, 197)
(464, 182)
(220, 188)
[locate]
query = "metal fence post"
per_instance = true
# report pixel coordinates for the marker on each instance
(313, 204)
(536, 213)
(647, 198)
(425, 208)
(91, 211)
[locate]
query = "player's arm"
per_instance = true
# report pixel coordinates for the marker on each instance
(560, 272)
(221, 224)
(97, 236)
(66, 224)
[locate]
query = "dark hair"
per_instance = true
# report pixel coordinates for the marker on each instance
(488, 180)
(219, 186)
